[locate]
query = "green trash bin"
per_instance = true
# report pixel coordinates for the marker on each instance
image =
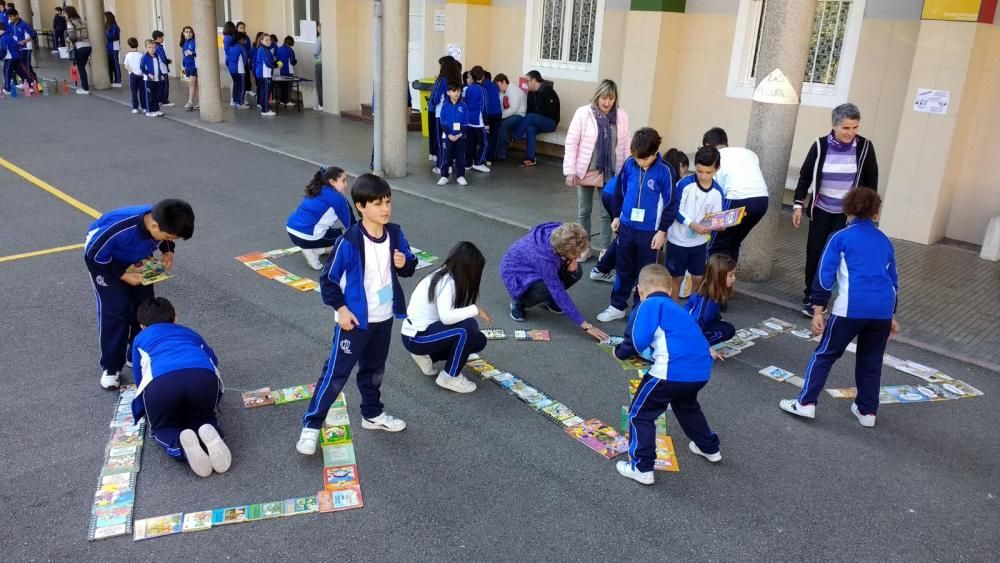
(424, 86)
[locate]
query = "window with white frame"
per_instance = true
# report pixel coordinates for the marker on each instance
(563, 38)
(304, 10)
(832, 50)
(223, 12)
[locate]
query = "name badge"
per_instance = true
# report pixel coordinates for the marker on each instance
(638, 215)
(385, 295)
(456, 126)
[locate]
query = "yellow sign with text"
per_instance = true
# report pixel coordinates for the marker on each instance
(952, 10)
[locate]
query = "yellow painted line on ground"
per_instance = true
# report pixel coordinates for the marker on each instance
(49, 188)
(13, 257)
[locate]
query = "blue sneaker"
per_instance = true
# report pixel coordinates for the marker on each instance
(517, 312)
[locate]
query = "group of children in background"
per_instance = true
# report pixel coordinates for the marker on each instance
(148, 73)
(260, 60)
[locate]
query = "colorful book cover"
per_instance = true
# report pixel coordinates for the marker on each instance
(739, 343)
(843, 393)
(334, 435)
(272, 273)
(118, 481)
(293, 394)
(304, 284)
(258, 265)
(776, 373)
(661, 423)
(230, 515)
(340, 403)
(282, 252)
(928, 374)
(571, 422)
(153, 271)
(725, 350)
(158, 526)
(113, 515)
(197, 521)
(344, 499)
(255, 512)
(324, 501)
(126, 463)
(301, 505)
(599, 437)
(338, 455)
(505, 379)
(125, 419)
(779, 324)
(764, 331)
(126, 436)
(539, 405)
(558, 412)
(905, 394)
(633, 363)
(532, 335)
(886, 398)
(666, 457)
(257, 398)
(956, 386)
(272, 509)
(746, 334)
(424, 259)
(494, 333)
(518, 387)
(339, 477)
(288, 278)
(109, 532)
(252, 257)
(527, 393)
(725, 218)
(116, 497)
(508, 385)
(336, 417)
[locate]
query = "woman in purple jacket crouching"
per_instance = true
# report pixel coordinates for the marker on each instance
(539, 267)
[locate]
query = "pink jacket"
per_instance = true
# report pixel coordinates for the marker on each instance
(581, 139)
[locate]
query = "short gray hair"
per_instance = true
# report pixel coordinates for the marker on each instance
(569, 240)
(608, 89)
(845, 111)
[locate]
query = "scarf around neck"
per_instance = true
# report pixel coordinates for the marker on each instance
(834, 144)
(605, 154)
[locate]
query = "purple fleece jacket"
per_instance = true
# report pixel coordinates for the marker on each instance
(531, 259)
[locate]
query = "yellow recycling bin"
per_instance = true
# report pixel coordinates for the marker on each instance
(424, 86)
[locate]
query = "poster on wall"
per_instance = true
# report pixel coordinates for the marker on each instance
(439, 20)
(931, 101)
(775, 88)
(952, 10)
(455, 50)
(307, 31)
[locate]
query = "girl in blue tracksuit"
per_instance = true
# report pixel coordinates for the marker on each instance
(112, 44)
(861, 262)
(450, 71)
(323, 215)
(475, 103)
(189, 64)
(238, 66)
(644, 206)
(659, 330)
(286, 55)
(706, 301)
(361, 282)
(178, 389)
(249, 46)
(264, 66)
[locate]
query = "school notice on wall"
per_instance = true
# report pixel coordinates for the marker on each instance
(931, 101)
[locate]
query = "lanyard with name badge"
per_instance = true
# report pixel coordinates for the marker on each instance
(638, 213)
(384, 293)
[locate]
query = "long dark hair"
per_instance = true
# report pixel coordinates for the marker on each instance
(676, 158)
(714, 285)
(229, 28)
(109, 19)
(451, 70)
(322, 178)
(183, 29)
(71, 13)
(465, 265)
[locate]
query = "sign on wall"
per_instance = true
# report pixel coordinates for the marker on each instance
(932, 101)
(952, 10)
(775, 89)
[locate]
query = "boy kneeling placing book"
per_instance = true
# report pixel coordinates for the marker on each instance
(663, 332)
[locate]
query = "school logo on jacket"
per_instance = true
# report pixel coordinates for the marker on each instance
(651, 184)
(99, 280)
(345, 346)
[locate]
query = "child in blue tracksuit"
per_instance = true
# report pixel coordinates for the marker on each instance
(707, 298)
(361, 283)
(164, 62)
(494, 115)
(861, 262)
(238, 66)
(286, 55)
(179, 388)
(687, 239)
(9, 50)
(659, 330)
(112, 44)
(475, 104)
(23, 35)
(152, 76)
(115, 241)
(264, 66)
(189, 63)
(644, 206)
(323, 215)
(439, 93)
(453, 122)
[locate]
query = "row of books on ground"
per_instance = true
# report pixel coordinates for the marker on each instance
(519, 335)
(261, 262)
(265, 396)
(341, 485)
(114, 500)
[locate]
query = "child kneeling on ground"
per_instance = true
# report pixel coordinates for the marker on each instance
(661, 331)
(706, 301)
(179, 388)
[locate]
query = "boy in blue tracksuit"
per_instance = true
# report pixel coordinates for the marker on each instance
(264, 65)
(9, 50)
(453, 123)
(644, 206)
(164, 62)
(179, 388)
(494, 115)
(114, 242)
(286, 56)
(23, 35)
(360, 281)
(860, 260)
(661, 331)
(152, 77)
(475, 103)
(239, 67)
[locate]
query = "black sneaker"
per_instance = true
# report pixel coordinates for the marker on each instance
(517, 312)
(551, 307)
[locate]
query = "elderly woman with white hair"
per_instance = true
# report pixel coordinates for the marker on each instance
(837, 163)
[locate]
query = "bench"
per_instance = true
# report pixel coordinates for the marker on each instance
(549, 144)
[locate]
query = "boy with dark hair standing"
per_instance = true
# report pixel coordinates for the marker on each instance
(161, 57)
(58, 30)
(361, 282)
(475, 104)
(114, 242)
(644, 205)
(453, 122)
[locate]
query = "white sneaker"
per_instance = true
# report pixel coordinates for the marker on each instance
(128, 363)
(268, 113)
(152, 114)
(611, 314)
(318, 108)
(116, 84)
(242, 106)
(714, 458)
(866, 420)
(135, 111)
(597, 275)
(83, 92)
(252, 93)
(461, 181)
(20, 86)
(188, 105)
(458, 384)
(625, 469)
(54, 51)
(425, 363)
(159, 114)
(585, 256)
(435, 170)
(794, 407)
(383, 421)
(109, 380)
(167, 105)
(432, 158)
(481, 167)
(312, 257)
(307, 441)
(218, 452)
(442, 181)
(196, 457)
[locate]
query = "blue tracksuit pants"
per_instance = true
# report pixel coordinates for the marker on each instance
(116, 323)
(136, 88)
(452, 151)
(366, 348)
(650, 402)
(475, 146)
(264, 98)
(237, 89)
(872, 335)
(632, 255)
(449, 343)
(153, 95)
(180, 400)
(718, 331)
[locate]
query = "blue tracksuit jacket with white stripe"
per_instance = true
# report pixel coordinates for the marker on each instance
(653, 190)
(659, 330)
(162, 348)
(860, 260)
(475, 103)
(342, 281)
(704, 310)
(494, 107)
(315, 215)
(119, 239)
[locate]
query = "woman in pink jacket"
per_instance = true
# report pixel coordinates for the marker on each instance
(597, 145)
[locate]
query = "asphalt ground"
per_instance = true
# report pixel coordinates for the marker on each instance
(474, 477)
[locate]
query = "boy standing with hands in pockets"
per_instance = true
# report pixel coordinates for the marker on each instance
(360, 281)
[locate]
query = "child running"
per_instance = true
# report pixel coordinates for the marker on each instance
(361, 282)
(322, 216)
(658, 329)
(710, 295)
(687, 239)
(179, 389)
(441, 320)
